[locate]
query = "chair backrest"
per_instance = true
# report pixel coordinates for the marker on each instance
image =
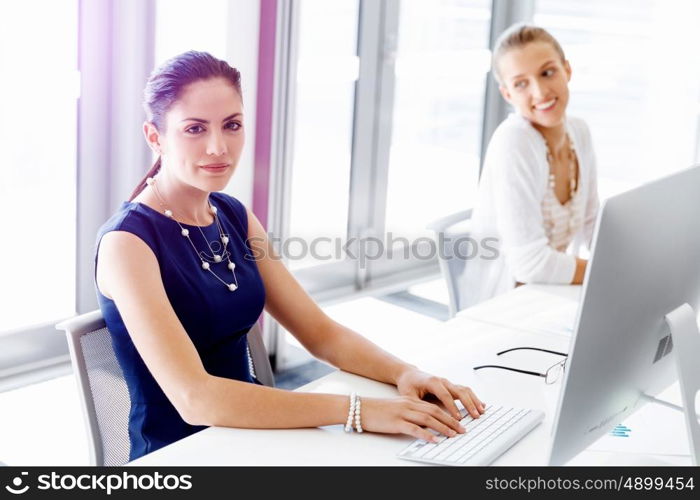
(258, 358)
(103, 392)
(452, 237)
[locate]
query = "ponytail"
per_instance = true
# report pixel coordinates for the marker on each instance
(142, 185)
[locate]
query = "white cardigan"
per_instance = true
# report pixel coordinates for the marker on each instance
(509, 210)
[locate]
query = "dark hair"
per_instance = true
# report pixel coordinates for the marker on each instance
(516, 36)
(167, 82)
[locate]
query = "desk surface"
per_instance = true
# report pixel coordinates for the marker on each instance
(454, 348)
(535, 308)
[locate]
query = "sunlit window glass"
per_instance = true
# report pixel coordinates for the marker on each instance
(38, 140)
(182, 26)
(636, 82)
(441, 66)
(324, 108)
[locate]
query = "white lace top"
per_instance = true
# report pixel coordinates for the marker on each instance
(533, 238)
(562, 220)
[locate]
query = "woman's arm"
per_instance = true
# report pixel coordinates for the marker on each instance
(580, 271)
(129, 274)
(330, 341)
(327, 340)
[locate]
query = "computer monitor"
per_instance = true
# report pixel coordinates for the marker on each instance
(644, 264)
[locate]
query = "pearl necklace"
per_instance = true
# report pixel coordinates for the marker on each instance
(572, 167)
(202, 256)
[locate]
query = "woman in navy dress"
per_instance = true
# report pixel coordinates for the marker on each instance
(183, 272)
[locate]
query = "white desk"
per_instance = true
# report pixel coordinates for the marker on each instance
(535, 308)
(454, 348)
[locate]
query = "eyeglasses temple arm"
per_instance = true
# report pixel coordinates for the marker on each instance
(532, 349)
(527, 372)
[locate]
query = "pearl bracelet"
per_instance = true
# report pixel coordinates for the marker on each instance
(358, 420)
(351, 412)
(354, 414)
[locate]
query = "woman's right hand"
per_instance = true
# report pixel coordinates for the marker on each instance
(406, 415)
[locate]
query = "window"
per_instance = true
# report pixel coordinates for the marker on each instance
(327, 70)
(441, 66)
(635, 80)
(180, 27)
(38, 140)
(386, 105)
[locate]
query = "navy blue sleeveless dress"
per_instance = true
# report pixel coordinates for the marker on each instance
(216, 319)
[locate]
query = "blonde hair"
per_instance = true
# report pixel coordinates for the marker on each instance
(517, 36)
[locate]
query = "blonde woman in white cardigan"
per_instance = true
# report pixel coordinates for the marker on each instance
(537, 200)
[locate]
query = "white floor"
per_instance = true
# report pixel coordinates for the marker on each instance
(41, 424)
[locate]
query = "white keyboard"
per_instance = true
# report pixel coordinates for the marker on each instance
(485, 439)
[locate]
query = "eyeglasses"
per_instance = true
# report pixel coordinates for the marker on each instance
(550, 376)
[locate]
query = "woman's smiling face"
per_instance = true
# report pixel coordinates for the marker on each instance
(535, 80)
(204, 136)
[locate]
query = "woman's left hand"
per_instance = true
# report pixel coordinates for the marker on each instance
(418, 384)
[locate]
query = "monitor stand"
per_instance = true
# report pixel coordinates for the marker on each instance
(682, 322)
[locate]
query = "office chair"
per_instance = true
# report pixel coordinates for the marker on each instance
(104, 396)
(449, 231)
